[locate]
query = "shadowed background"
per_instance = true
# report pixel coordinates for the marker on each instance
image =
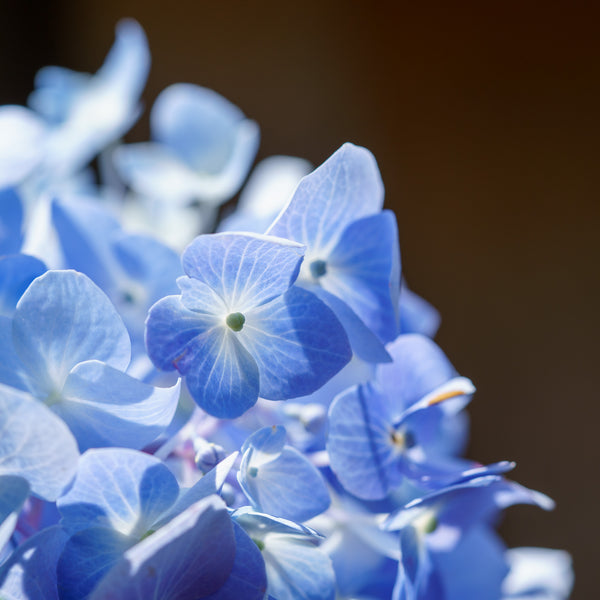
(484, 120)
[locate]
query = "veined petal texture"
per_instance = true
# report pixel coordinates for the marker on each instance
(297, 342)
(176, 562)
(106, 407)
(35, 444)
(346, 187)
(279, 480)
(118, 489)
(246, 270)
(64, 319)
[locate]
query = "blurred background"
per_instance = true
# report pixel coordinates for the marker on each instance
(484, 120)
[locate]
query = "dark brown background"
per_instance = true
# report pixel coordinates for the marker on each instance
(484, 120)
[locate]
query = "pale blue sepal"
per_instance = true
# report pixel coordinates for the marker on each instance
(292, 557)
(279, 480)
(170, 332)
(246, 270)
(364, 270)
(30, 572)
(211, 483)
(118, 489)
(346, 187)
(224, 379)
(106, 407)
(360, 448)
(63, 319)
(176, 561)
(363, 341)
(35, 444)
(13, 493)
(297, 342)
(17, 271)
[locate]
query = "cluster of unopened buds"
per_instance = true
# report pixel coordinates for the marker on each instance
(256, 413)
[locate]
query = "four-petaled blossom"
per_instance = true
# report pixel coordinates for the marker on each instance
(240, 329)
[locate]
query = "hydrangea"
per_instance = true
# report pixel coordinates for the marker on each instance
(316, 447)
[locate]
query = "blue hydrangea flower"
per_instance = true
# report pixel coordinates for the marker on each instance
(68, 348)
(352, 257)
(279, 480)
(133, 270)
(125, 512)
(241, 329)
(292, 556)
(396, 427)
(203, 150)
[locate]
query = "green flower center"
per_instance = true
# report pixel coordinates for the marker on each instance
(235, 321)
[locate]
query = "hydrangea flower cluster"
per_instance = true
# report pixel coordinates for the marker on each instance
(264, 418)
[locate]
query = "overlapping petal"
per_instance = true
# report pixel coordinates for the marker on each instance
(62, 320)
(35, 444)
(346, 187)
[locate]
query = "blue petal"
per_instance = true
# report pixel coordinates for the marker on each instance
(475, 568)
(13, 493)
(419, 367)
(363, 341)
(105, 407)
(17, 271)
(30, 573)
(211, 483)
(279, 480)
(176, 562)
(11, 220)
(85, 229)
(12, 371)
(297, 342)
(35, 444)
(21, 143)
(248, 578)
(171, 329)
(118, 489)
(364, 268)
(126, 66)
(292, 557)
(346, 187)
(246, 270)
(360, 449)
(56, 88)
(198, 124)
(296, 564)
(416, 314)
(63, 319)
(221, 374)
(87, 556)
